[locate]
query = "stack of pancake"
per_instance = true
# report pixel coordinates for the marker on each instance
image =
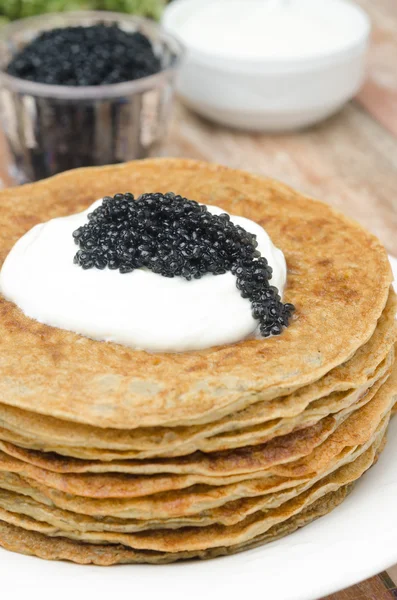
(112, 455)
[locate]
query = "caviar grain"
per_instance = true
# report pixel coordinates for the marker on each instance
(176, 237)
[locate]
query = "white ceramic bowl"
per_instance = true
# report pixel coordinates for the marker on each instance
(273, 94)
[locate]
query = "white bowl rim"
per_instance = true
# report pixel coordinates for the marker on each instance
(358, 44)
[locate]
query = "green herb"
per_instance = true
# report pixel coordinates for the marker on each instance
(18, 9)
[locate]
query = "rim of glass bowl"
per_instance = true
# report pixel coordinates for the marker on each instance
(113, 90)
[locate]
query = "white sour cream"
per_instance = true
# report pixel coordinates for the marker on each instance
(140, 309)
(266, 29)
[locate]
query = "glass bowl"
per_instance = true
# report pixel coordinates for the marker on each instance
(53, 128)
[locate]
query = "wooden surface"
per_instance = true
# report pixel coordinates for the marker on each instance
(349, 161)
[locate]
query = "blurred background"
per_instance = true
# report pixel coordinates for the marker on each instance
(347, 159)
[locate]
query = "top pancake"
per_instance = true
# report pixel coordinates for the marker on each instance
(338, 279)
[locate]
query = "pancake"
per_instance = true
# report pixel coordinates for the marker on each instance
(258, 423)
(230, 513)
(263, 518)
(336, 406)
(213, 536)
(111, 455)
(359, 429)
(122, 486)
(339, 275)
(17, 539)
(193, 538)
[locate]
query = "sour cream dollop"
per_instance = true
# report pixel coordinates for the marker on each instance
(141, 309)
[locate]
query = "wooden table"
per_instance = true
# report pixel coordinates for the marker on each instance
(349, 161)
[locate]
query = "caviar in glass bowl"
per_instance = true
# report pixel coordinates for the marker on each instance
(82, 89)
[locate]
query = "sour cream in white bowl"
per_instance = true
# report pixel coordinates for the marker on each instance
(269, 64)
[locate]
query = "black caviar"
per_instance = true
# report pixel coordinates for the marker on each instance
(80, 56)
(173, 236)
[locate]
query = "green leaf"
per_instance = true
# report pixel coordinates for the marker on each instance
(149, 8)
(10, 8)
(17, 9)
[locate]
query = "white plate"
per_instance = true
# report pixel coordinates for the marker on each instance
(356, 541)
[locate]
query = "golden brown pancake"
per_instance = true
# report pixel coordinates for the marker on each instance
(111, 455)
(17, 539)
(358, 430)
(283, 449)
(338, 279)
(259, 422)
